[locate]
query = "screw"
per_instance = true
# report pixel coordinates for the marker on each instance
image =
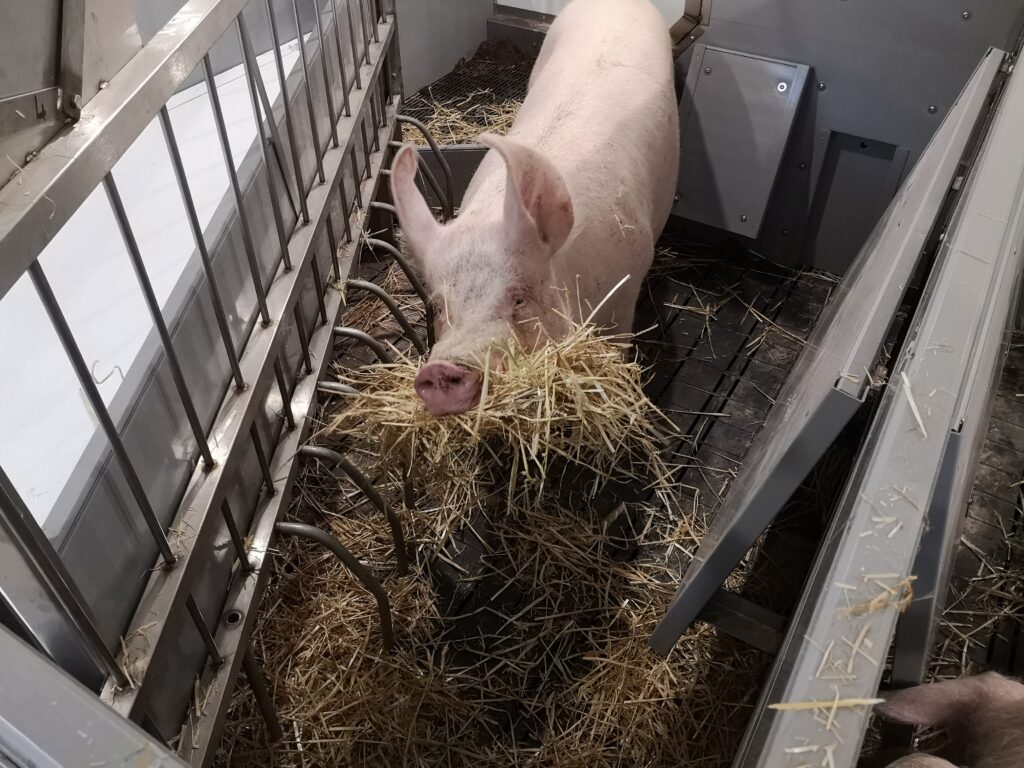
(103, 84)
(707, 70)
(785, 232)
(743, 218)
(933, 109)
(803, 166)
(822, 86)
(966, 15)
(675, 198)
(30, 157)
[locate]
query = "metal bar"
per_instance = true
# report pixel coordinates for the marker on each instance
(51, 720)
(261, 459)
(414, 281)
(200, 241)
(158, 319)
(236, 190)
(289, 121)
(260, 691)
(341, 59)
(374, 24)
(363, 575)
(332, 243)
(336, 388)
(352, 37)
(151, 630)
(55, 593)
(386, 207)
(346, 209)
(357, 177)
(374, 109)
(392, 305)
(318, 285)
(268, 110)
(252, 74)
(202, 728)
(99, 408)
(236, 536)
(362, 26)
(204, 631)
(449, 178)
(313, 130)
(336, 459)
(286, 395)
(70, 167)
(327, 79)
(300, 327)
(367, 340)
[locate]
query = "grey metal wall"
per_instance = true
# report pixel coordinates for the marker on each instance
(435, 34)
(883, 76)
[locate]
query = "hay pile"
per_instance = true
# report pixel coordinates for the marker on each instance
(463, 122)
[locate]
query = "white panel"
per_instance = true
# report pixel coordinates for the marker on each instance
(672, 10)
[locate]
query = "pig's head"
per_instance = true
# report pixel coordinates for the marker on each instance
(489, 272)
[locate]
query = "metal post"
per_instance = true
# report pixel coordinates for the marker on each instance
(341, 59)
(261, 459)
(318, 284)
(264, 701)
(332, 243)
(392, 305)
(414, 281)
(236, 189)
(364, 485)
(158, 319)
(200, 240)
(286, 395)
(352, 37)
(289, 122)
(375, 21)
(300, 328)
(252, 73)
(204, 631)
(327, 80)
(366, 340)
(362, 26)
(85, 379)
(346, 209)
(236, 536)
(357, 178)
(357, 569)
(317, 149)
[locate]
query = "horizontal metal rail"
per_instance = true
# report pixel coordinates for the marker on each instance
(150, 633)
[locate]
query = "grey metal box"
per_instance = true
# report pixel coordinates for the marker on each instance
(736, 117)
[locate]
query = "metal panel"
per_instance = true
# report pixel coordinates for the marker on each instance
(834, 370)
(737, 114)
(50, 721)
(835, 649)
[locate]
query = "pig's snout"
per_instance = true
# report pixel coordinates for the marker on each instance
(447, 389)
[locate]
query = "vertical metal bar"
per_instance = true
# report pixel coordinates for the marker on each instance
(362, 26)
(375, 113)
(16, 517)
(261, 459)
(341, 58)
(352, 37)
(200, 240)
(289, 122)
(158, 319)
(346, 209)
(332, 243)
(264, 701)
(275, 203)
(366, 149)
(85, 379)
(317, 149)
(286, 393)
(357, 178)
(236, 189)
(318, 284)
(236, 536)
(300, 328)
(374, 23)
(204, 631)
(333, 117)
(268, 109)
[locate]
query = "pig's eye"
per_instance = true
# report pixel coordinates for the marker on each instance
(517, 297)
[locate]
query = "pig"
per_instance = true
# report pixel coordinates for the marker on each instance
(562, 210)
(984, 715)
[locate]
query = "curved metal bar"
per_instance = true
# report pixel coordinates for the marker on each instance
(386, 207)
(365, 339)
(336, 388)
(414, 281)
(365, 578)
(449, 178)
(364, 485)
(447, 210)
(260, 691)
(391, 304)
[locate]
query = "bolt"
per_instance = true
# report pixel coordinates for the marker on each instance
(782, 87)
(822, 86)
(743, 218)
(966, 15)
(932, 109)
(707, 70)
(104, 84)
(30, 157)
(803, 166)
(675, 198)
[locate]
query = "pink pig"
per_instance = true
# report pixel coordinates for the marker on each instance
(984, 714)
(562, 210)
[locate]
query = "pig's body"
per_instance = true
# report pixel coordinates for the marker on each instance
(563, 209)
(984, 715)
(602, 108)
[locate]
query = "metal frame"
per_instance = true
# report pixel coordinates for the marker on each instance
(835, 371)
(863, 576)
(50, 719)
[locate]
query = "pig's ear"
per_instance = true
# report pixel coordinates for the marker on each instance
(535, 193)
(418, 222)
(947, 701)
